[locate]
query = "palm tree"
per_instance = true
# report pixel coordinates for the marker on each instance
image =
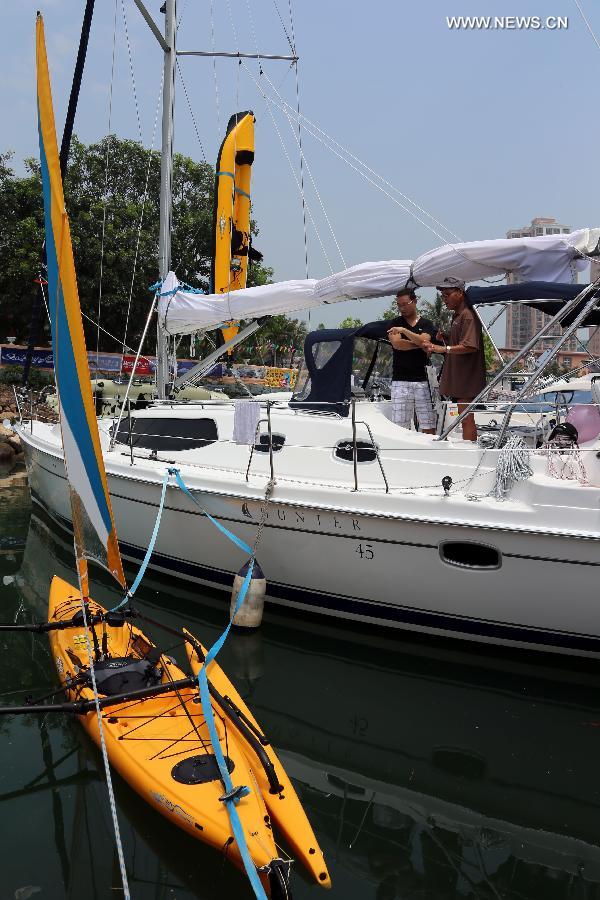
(436, 311)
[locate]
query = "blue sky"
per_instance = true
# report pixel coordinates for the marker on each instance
(483, 129)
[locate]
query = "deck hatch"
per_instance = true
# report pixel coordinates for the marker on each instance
(199, 769)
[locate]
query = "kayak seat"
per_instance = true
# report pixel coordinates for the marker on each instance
(116, 675)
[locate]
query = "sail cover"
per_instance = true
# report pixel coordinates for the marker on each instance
(547, 258)
(93, 525)
(231, 215)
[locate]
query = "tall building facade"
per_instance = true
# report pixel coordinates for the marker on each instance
(522, 323)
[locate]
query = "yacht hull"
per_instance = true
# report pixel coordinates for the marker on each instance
(533, 589)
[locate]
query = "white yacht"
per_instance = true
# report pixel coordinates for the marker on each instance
(362, 519)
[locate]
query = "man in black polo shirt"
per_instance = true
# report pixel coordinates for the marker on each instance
(410, 387)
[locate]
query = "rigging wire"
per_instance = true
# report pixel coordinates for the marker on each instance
(268, 102)
(292, 43)
(308, 169)
(104, 205)
(191, 241)
(139, 229)
(589, 27)
(189, 105)
(325, 137)
(133, 84)
(284, 28)
(295, 65)
(365, 176)
(214, 62)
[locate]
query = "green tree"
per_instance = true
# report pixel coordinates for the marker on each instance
(114, 221)
(491, 359)
(349, 322)
(436, 311)
(279, 342)
(392, 311)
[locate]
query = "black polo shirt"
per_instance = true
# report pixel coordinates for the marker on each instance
(409, 365)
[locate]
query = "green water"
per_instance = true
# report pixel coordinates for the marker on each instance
(427, 770)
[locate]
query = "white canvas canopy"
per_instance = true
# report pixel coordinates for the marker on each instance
(549, 258)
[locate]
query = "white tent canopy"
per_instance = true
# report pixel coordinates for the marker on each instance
(549, 258)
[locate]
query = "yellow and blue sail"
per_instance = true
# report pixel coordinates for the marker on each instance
(93, 523)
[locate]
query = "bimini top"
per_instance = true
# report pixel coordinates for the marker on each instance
(545, 296)
(326, 383)
(550, 258)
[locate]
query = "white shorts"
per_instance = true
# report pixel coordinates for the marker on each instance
(409, 397)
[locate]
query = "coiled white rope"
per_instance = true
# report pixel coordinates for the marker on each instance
(513, 465)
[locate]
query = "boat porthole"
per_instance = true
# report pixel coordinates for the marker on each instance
(459, 762)
(470, 555)
(366, 452)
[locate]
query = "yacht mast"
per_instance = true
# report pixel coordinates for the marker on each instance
(167, 43)
(166, 184)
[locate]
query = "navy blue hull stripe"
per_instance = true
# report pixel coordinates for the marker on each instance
(399, 615)
(356, 606)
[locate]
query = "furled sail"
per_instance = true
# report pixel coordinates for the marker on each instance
(93, 524)
(231, 225)
(553, 258)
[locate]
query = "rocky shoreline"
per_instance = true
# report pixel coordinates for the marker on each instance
(11, 452)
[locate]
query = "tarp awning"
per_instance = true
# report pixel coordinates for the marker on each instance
(550, 258)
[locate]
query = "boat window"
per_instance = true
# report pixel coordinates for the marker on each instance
(323, 352)
(262, 445)
(302, 388)
(371, 365)
(470, 555)
(167, 434)
(365, 451)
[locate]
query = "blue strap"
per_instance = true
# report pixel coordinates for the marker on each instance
(243, 193)
(229, 534)
(182, 286)
(150, 549)
(229, 174)
(232, 794)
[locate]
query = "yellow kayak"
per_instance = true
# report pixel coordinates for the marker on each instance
(285, 809)
(160, 744)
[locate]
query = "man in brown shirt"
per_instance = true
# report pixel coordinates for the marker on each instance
(463, 375)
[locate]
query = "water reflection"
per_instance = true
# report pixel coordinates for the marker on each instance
(427, 771)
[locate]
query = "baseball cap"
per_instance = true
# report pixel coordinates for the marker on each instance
(451, 284)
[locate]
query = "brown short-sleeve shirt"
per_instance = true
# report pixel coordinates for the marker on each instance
(463, 375)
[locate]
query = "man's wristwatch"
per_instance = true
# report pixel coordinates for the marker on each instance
(447, 348)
